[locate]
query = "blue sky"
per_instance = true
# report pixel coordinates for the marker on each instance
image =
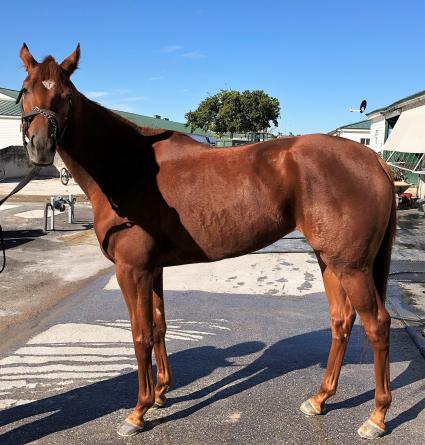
(317, 58)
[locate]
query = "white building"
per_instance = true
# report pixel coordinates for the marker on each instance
(358, 131)
(383, 120)
(10, 119)
(398, 133)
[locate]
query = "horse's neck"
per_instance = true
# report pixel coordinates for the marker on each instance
(93, 140)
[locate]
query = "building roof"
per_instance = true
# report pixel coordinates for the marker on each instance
(153, 122)
(11, 93)
(361, 125)
(9, 108)
(398, 102)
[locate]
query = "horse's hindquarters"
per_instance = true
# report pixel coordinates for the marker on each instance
(344, 201)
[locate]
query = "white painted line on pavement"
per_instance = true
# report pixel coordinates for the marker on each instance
(69, 353)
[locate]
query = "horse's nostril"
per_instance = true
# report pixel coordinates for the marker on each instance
(32, 139)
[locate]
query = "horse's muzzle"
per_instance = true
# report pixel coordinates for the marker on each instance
(41, 150)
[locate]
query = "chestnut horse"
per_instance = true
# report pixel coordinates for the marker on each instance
(161, 199)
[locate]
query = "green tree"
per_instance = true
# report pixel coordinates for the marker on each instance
(232, 111)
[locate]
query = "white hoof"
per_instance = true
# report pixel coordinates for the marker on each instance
(308, 409)
(370, 430)
(127, 429)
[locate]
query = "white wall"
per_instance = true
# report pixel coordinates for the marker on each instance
(354, 135)
(16, 164)
(10, 133)
(377, 133)
(349, 133)
(377, 127)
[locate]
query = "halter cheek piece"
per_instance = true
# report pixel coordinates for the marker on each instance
(26, 118)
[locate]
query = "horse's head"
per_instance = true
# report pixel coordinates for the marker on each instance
(46, 100)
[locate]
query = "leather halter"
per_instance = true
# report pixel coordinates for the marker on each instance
(52, 118)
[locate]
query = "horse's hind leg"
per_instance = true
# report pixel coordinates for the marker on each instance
(163, 380)
(342, 317)
(361, 291)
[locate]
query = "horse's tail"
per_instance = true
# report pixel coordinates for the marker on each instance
(381, 266)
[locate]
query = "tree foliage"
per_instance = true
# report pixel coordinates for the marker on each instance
(235, 112)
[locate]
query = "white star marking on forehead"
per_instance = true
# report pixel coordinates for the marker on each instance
(49, 84)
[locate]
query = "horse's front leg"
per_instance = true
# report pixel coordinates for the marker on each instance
(163, 380)
(137, 286)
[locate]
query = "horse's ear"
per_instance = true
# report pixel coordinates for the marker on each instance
(70, 64)
(27, 58)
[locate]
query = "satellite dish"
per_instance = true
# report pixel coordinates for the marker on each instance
(363, 106)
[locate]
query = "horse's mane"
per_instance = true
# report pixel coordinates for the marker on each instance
(144, 131)
(49, 69)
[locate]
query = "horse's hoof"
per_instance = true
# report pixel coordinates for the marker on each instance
(369, 430)
(309, 410)
(159, 405)
(127, 429)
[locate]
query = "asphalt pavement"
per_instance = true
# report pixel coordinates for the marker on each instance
(248, 340)
(43, 268)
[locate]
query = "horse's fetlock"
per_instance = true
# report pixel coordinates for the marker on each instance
(329, 390)
(147, 400)
(383, 400)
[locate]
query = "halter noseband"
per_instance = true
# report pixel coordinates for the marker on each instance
(52, 118)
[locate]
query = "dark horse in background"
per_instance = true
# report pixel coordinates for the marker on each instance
(161, 199)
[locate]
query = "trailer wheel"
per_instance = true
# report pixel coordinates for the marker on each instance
(65, 175)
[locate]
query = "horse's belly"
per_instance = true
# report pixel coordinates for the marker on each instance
(214, 235)
(227, 206)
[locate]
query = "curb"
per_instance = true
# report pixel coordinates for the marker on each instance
(410, 319)
(417, 338)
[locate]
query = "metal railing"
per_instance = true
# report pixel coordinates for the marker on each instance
(59, 203)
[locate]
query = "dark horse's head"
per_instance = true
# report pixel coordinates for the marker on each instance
(46, 101)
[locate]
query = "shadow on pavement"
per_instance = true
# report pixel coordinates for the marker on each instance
(87, 403)
(15, 238)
